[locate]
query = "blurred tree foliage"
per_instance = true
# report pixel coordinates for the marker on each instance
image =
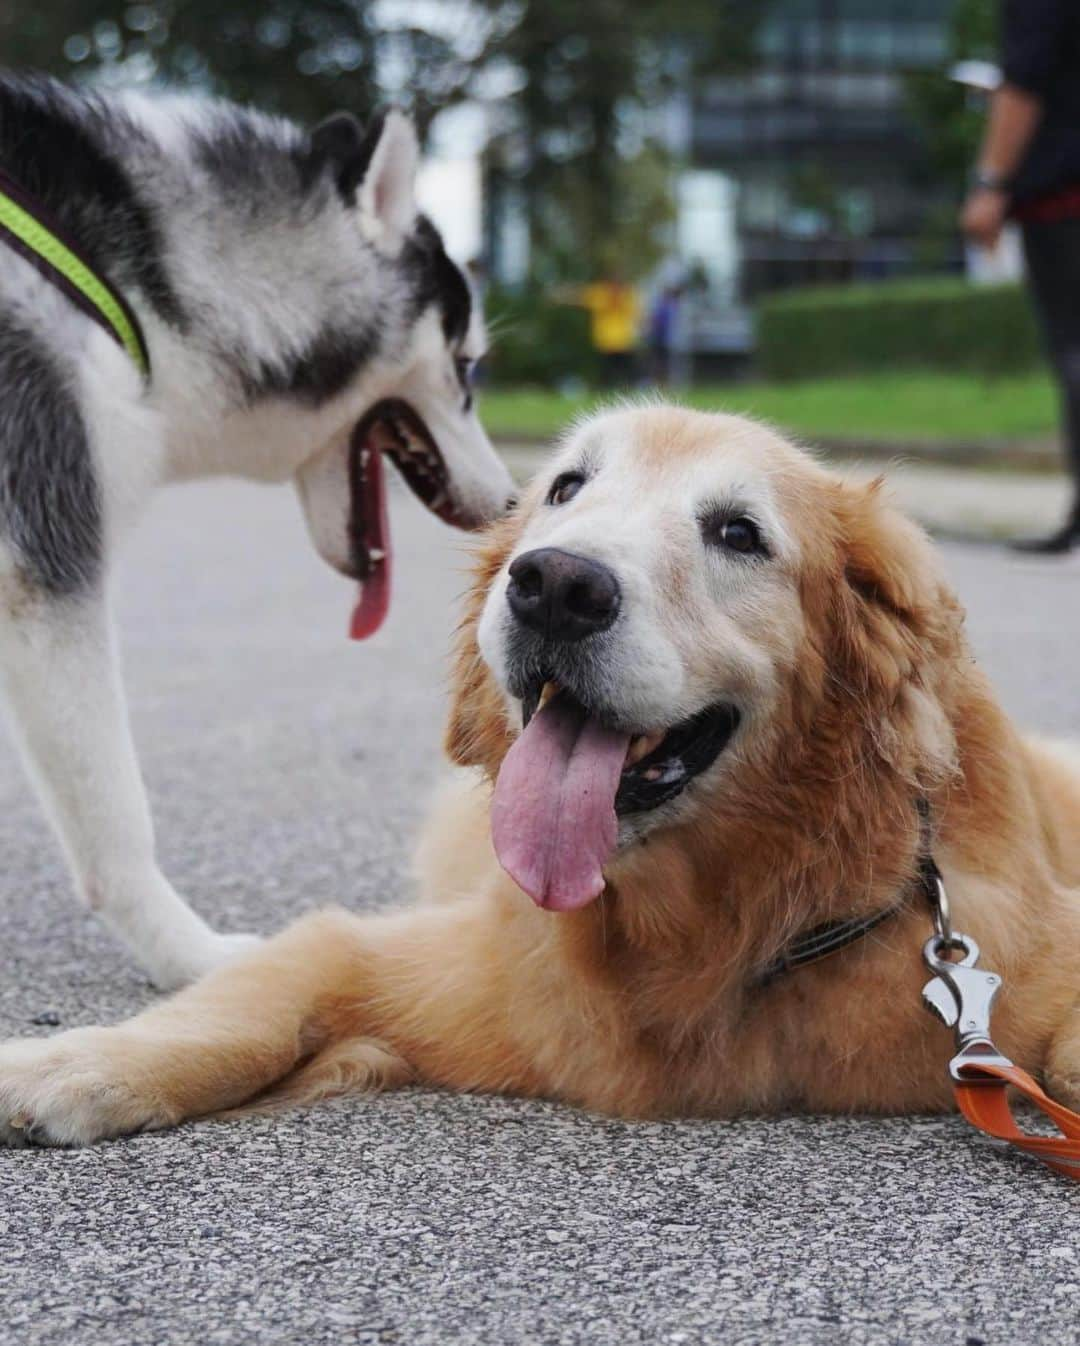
(579, 233)
(951, 116)
(576, 90)
(303, 58)
(594, 79)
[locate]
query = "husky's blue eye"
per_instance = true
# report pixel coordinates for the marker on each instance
(464, 367)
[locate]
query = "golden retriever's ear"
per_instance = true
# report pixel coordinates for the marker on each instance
(895, 573)
(897, 628)
(889, 561)
(477, 733)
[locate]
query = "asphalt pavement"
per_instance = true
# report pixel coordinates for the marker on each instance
(289, 768)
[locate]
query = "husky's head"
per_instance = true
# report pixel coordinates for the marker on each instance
(417, 386)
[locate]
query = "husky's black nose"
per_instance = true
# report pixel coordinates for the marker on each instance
(561, 595)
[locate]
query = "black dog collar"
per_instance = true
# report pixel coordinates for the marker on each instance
(823, 940)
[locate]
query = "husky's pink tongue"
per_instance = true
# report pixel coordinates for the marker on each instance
(553, 815)
(372, 519)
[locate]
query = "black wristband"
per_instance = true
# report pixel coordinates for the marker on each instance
(986, 181)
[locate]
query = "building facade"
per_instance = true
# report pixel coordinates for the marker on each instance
(830, 176)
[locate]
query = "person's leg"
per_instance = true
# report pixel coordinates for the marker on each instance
(657, 364)
(623, 368)
(1052, 253)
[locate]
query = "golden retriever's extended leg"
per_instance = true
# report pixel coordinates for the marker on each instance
(333, 1004)
(215, 1045)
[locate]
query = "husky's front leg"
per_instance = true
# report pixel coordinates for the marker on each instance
(60, 671)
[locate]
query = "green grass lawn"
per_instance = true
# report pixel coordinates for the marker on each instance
(905, 407)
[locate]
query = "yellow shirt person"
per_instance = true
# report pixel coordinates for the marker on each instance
(614, 313)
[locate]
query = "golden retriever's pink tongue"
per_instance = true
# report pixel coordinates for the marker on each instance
(553, 815)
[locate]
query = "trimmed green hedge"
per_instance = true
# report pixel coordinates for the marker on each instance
(534, 341)
(939, 324)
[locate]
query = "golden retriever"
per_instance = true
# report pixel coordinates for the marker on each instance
(702, 686)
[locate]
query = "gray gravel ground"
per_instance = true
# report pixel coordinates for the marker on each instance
(289, 768)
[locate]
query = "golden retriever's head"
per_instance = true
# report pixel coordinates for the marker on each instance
(688, 614)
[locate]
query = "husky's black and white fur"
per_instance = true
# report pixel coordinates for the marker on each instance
(285, 285)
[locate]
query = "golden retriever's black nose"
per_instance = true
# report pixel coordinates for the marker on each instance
(561, 595)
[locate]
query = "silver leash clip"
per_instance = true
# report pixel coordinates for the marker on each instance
(959, 993)
(962, 996)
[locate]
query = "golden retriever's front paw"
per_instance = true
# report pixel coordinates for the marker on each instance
(1064, 1086)
(69, 1090)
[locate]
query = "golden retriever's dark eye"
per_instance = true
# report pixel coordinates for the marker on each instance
(565, 487)
(740, 534)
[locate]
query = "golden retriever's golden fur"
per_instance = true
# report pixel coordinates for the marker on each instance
(646, 1001)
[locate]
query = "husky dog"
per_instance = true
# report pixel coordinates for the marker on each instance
(299, 317)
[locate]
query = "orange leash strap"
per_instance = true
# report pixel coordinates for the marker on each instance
(961, 995)
(984, 1102)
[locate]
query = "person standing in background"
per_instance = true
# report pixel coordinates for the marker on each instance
(663, 317)
(1029, 169)
(614, 314)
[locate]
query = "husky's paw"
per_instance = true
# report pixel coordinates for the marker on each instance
(71, 1090)
(195, 958)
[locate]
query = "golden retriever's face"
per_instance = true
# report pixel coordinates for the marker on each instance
(663, 613)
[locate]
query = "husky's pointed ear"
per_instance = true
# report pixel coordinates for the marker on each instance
(386, 199)
(341, 143)
(374, 170)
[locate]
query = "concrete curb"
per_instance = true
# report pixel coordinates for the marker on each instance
(1010, 455)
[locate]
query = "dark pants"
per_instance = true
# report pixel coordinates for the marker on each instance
(1052, 252)
(617, 368)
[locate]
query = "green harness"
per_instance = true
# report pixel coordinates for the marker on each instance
(25, 226)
